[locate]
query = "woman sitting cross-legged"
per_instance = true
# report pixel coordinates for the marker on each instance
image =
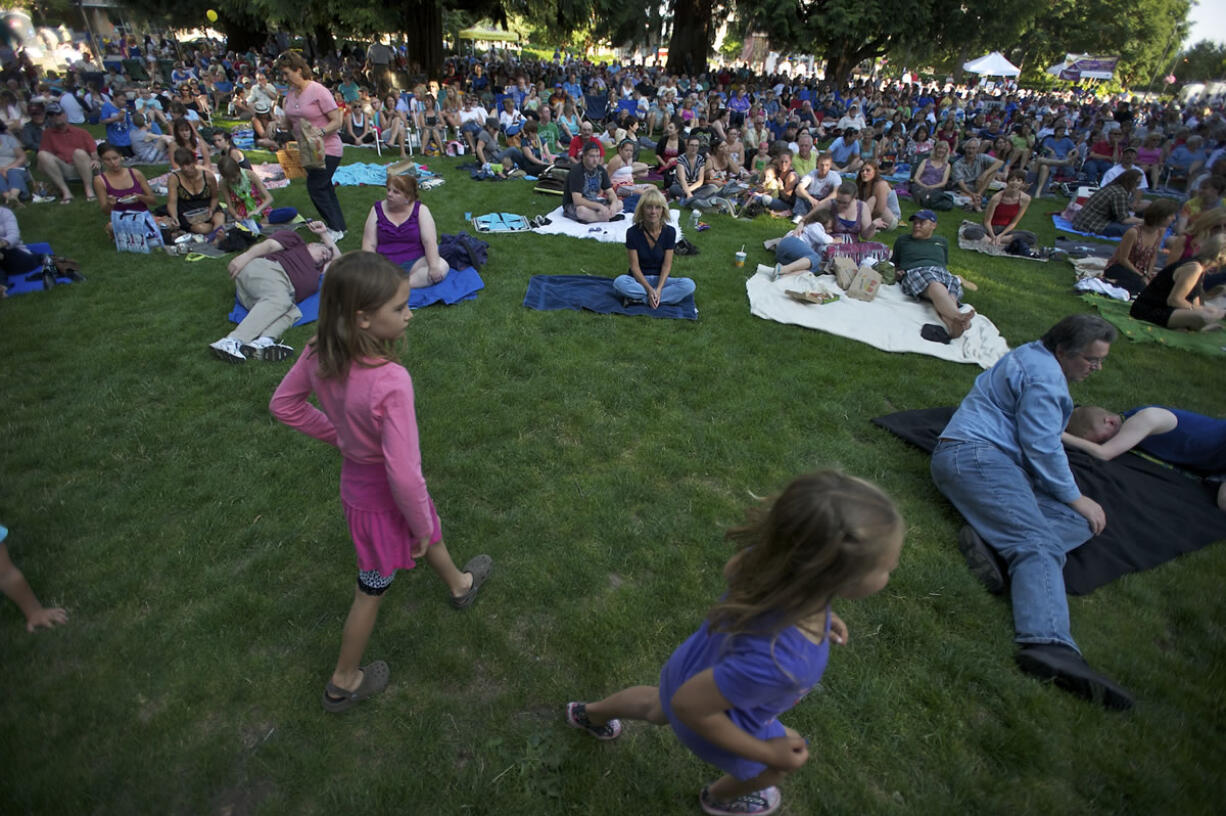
(649, 246)
(191, 196)
(119, 188)
(1005, 211)
(401, 229)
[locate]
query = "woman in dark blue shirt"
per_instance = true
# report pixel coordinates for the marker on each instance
(649, 246)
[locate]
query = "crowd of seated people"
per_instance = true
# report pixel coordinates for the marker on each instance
(721, 140)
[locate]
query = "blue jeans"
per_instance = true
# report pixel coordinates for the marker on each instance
(675, 289)
(1032, 531)
(16, 180)
(792, 248)
(1094, 168)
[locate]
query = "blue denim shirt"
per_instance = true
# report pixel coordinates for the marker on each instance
(1021, 405)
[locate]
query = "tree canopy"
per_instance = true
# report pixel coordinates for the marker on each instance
(1145, 34)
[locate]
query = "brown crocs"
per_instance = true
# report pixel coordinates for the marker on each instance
(479, 567)
(374, 680)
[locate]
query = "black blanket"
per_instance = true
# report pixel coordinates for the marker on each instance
(1154, 513)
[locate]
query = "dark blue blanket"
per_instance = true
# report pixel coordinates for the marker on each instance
(578, 292)
(460, 284)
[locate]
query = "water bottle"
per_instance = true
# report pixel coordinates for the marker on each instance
(694, 216)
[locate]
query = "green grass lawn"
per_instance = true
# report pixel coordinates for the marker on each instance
(200, 549)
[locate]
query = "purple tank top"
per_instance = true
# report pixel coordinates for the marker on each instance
(931, 174)
(399, 244)
(135, 206)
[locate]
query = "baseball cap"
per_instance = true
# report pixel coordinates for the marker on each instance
(924, 215)
(54, 109)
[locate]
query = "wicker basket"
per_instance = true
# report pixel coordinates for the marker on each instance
(288, 159)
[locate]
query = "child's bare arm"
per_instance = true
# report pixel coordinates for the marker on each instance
(701, 706)
(14, 585)
(1144, 423)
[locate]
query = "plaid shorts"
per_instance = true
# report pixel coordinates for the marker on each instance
(915, 281)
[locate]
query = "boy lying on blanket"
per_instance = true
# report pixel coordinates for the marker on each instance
(1182, 438)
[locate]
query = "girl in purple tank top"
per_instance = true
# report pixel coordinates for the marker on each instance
(401, 229)
(119, 188)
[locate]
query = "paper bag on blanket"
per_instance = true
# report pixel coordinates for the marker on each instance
(891, 322)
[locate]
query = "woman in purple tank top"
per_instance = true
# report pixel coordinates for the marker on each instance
(401, 229)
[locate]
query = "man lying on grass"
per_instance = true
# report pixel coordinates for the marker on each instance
(272, 278)
(1182, 438)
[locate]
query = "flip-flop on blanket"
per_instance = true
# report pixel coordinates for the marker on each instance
(1154, 512)
(1064, 225)
(891, 322)
(613, 232)
(1139, 331)
(459, 285)
(578, 292)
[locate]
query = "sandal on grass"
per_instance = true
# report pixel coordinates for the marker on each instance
(374, 680)
(480, 568)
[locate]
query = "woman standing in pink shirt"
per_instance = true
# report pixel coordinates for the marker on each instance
(367, 400)
(309, 102)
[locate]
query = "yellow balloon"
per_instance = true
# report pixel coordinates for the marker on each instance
(212, 15)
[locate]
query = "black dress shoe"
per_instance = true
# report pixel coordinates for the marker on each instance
(1069, 670)
(982, 561)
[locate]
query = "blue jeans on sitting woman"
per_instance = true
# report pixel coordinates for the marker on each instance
(1032, 530)
(675, 289)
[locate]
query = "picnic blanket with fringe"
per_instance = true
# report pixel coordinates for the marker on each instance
(891, 322)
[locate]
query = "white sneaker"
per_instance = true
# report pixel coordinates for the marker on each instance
(228, 350)
(337, 235)
(267, 349)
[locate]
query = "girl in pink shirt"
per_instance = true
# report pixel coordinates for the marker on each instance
(367, 400)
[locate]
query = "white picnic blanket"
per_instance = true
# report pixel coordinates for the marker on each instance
(891, 322)
(613, 232)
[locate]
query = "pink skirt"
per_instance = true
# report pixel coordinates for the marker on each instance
(380, 531)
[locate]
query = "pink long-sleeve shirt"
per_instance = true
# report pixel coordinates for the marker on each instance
(369, 416)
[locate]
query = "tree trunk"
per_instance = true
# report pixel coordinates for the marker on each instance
(242, 33)
(839, 65)
(691, 41)
(423, 26)
(325, 43)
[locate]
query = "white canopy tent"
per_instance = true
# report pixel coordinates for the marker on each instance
(993, 64)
